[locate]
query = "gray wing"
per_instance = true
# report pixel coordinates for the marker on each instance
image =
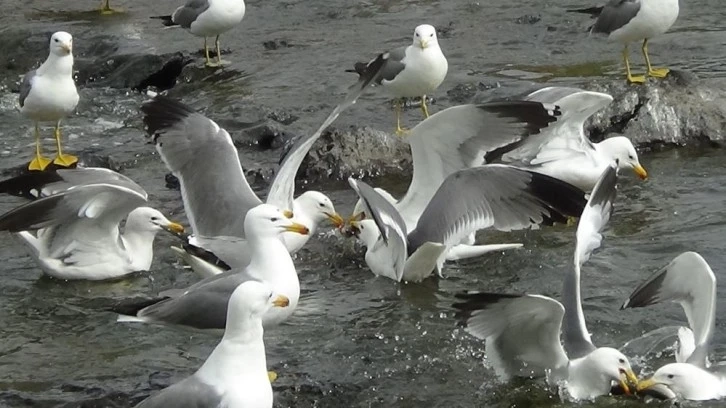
(188, 13)
(188, 393)
(202, 306)
(44, 183)
(282, 190)
(25, 86)
(689, 281)
(392, 65)
(499, 196)
(594, 218)
(463, 136)
(214, 189)
(615, 15)
(522, 332)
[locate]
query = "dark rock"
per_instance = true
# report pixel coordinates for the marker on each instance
(528, 19)
(275, 44)
(172, 182)
(463, 93)
(131, 70)
(166, 77)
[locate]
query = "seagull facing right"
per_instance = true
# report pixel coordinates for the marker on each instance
(628, 21)
(689, 281)
(48, 94)
(235, 374)
(412, 71)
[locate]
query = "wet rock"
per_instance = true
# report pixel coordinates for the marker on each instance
(275, 44)
(132, 71)
(463, 93)
(528, 19)
(166, 77)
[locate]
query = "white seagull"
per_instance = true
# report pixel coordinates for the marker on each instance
(412, 71)
(48, 94)
(689, 281)
(235, 374)
(522, 332)
(77, 225)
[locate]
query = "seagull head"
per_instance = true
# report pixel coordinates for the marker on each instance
(252, 299)
(613, 367)
(365, 230)
(424, 36)
(151, 220)
(61, 44)
(318, 207)
(621, 150)
(686, 380)
(266, 221)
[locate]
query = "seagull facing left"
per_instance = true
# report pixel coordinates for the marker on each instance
(235, 374)
(48, 94)
(76, 227)
(522, 332)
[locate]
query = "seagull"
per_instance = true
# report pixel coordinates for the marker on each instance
(235, 374)
(203, 157)
(48, 94)
(412, 71)
(522, 332)
(493, 195)
(562, 150)
(77, 226)
(689, 281)
(204, 304)
(627, 21)
(207, 18)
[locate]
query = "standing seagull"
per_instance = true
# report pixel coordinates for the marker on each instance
(412, 71)
(207, 18)
(235, 374)
(48, 94)
(628, 21)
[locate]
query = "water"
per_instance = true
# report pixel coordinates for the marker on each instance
(357, 340)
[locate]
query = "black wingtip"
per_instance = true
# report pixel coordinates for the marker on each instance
(206, 256)
(28, 185)
(165, 20)
(369, 72)
(30, 216)
(594, 12)
(647, 293)
(131, 307)
(563, 199)
(605, 189)
(474, 301)
(163, 112)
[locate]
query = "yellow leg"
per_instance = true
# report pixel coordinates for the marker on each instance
(654, 72)
(219, 52)
(272, 376)
(398, 107)
(208, 62)
(64, 160)
(637, 79)
(106, 8)
(424, 109)
(39, 162)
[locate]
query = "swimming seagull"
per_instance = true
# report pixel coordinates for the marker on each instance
(562, 150)
(77, 232)
(498, 196)
(48, 94)
(627, 21)
(207, 18)
(235, 374)
(412, 71)
(522, 332)
(689, 281)
(204, 304)
(203, 157)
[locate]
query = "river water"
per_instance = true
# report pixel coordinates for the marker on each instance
(356, 340)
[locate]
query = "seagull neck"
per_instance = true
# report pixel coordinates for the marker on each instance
(275, 253)
(241, 353)
(573, 325)
(57, 66)
(140, 247)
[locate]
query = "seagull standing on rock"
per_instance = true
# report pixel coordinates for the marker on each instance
(413, 71)
(48, 94)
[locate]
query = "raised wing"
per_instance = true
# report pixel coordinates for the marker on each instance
(689, 281)
(460, 137)
(522, 332)
(202, 156)
(36, 184)
(596, 214)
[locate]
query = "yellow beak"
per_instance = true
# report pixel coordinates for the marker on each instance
(281, 301)
(645, 384)
(423, 43)
(298, 228)
(67, 48)
(336, 219)
(174, 228)
(288, 214)
(640, 171)
(628, 379)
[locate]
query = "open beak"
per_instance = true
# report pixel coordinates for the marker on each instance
(336, 219)
(298, 228)
(352, 230)
(640, 171)
(174, 228)
(288, 214)
(628, 381)
(281, 301)
(655, 389)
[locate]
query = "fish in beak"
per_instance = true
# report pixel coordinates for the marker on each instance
(281, 301)
(352, 230)
(628, 381)
(655, 389)
(288, 214)
(297, 228)
(640, 171)
(174, 228)
(336, 219)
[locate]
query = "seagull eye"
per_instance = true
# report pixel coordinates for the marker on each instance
(621, 361)
(274, 219)
(670, 376)
(431, 35)
(55, 39)
(416, 34)
(154, 218)
(630, 157)
(322, 204)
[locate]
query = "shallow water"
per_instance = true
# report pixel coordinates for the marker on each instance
(356, 340)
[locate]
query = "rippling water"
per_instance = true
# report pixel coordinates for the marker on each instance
(357, 340)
